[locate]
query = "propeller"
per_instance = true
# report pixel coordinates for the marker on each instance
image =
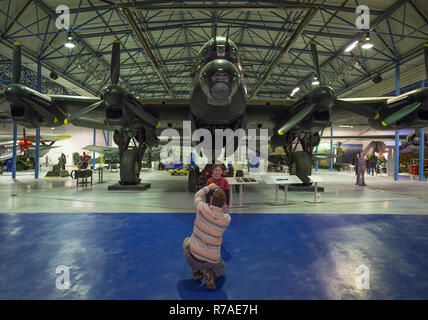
(16, 63)
(83, 111)
(16, 78)
(400, 114)
(115, 62)
(115, 72)
(296, 119)
(315, 60)
(144, 115)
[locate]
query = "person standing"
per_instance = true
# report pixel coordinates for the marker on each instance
(361, 168)
(368, 164)
(84, 158)
(373, 162)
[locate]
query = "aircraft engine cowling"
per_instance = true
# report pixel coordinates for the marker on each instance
(123, 110)
(415, 140)
(32, 109)
(312, 112)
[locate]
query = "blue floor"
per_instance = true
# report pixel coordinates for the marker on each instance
(138, 256)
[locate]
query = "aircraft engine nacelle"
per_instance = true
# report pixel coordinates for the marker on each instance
(32, 109)
(416, 140)
(123, 110)
(320, 102)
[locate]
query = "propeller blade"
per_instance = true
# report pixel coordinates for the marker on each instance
(115, 62)
(16, 63)
(143, 114)
(315, 60)
(83, 111)
(400, 114)
(405, 145)
(296, 119)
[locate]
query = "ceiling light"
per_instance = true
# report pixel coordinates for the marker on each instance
(294, 91)
(70, 42)
(315, 82)
(351, 46)
(367, 44)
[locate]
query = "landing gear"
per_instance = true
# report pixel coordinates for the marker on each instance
(130, 160)
(302, 166)
(192, 180)
(300, 162)
(130, 167)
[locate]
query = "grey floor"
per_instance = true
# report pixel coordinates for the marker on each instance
(169, 194)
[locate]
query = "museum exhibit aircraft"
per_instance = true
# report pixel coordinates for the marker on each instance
(112, 154)
(218, 100)
(26, 143)
(407, 140)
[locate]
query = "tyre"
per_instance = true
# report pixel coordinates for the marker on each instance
(129, 167)
(191, 181)
(239, 173)
(302, 166)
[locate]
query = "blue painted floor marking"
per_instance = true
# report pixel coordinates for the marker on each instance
(267, 256)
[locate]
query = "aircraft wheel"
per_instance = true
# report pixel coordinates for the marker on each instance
(129, 167)
(302, 163)
(191, 181)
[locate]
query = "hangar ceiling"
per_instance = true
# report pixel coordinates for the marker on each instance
(160, 39)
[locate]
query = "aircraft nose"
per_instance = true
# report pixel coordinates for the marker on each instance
(219, 79)
(220, 90)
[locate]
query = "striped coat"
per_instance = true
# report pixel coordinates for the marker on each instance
(210, 223)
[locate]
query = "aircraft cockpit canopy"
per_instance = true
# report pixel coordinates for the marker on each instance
(218, 49)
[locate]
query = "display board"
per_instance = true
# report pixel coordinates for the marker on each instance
(280, 179)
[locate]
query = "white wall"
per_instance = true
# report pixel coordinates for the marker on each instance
(80, 138)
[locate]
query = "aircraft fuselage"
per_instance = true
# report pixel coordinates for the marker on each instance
(218, 91)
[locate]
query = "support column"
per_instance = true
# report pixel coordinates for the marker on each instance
(15, 134)
(397, 132)
(421, 154)
(331, 150)
(106, 135)
(93, 154)
(397, 154)
(36, 156)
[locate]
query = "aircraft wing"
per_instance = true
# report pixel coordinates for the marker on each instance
(32, 138)
(105, 150)
(366, 137)
(113, 152)
(409, 110)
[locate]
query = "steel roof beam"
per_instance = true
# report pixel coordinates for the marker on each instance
(378, 20)
(309, 15)
(261, 7)
(143, 41)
